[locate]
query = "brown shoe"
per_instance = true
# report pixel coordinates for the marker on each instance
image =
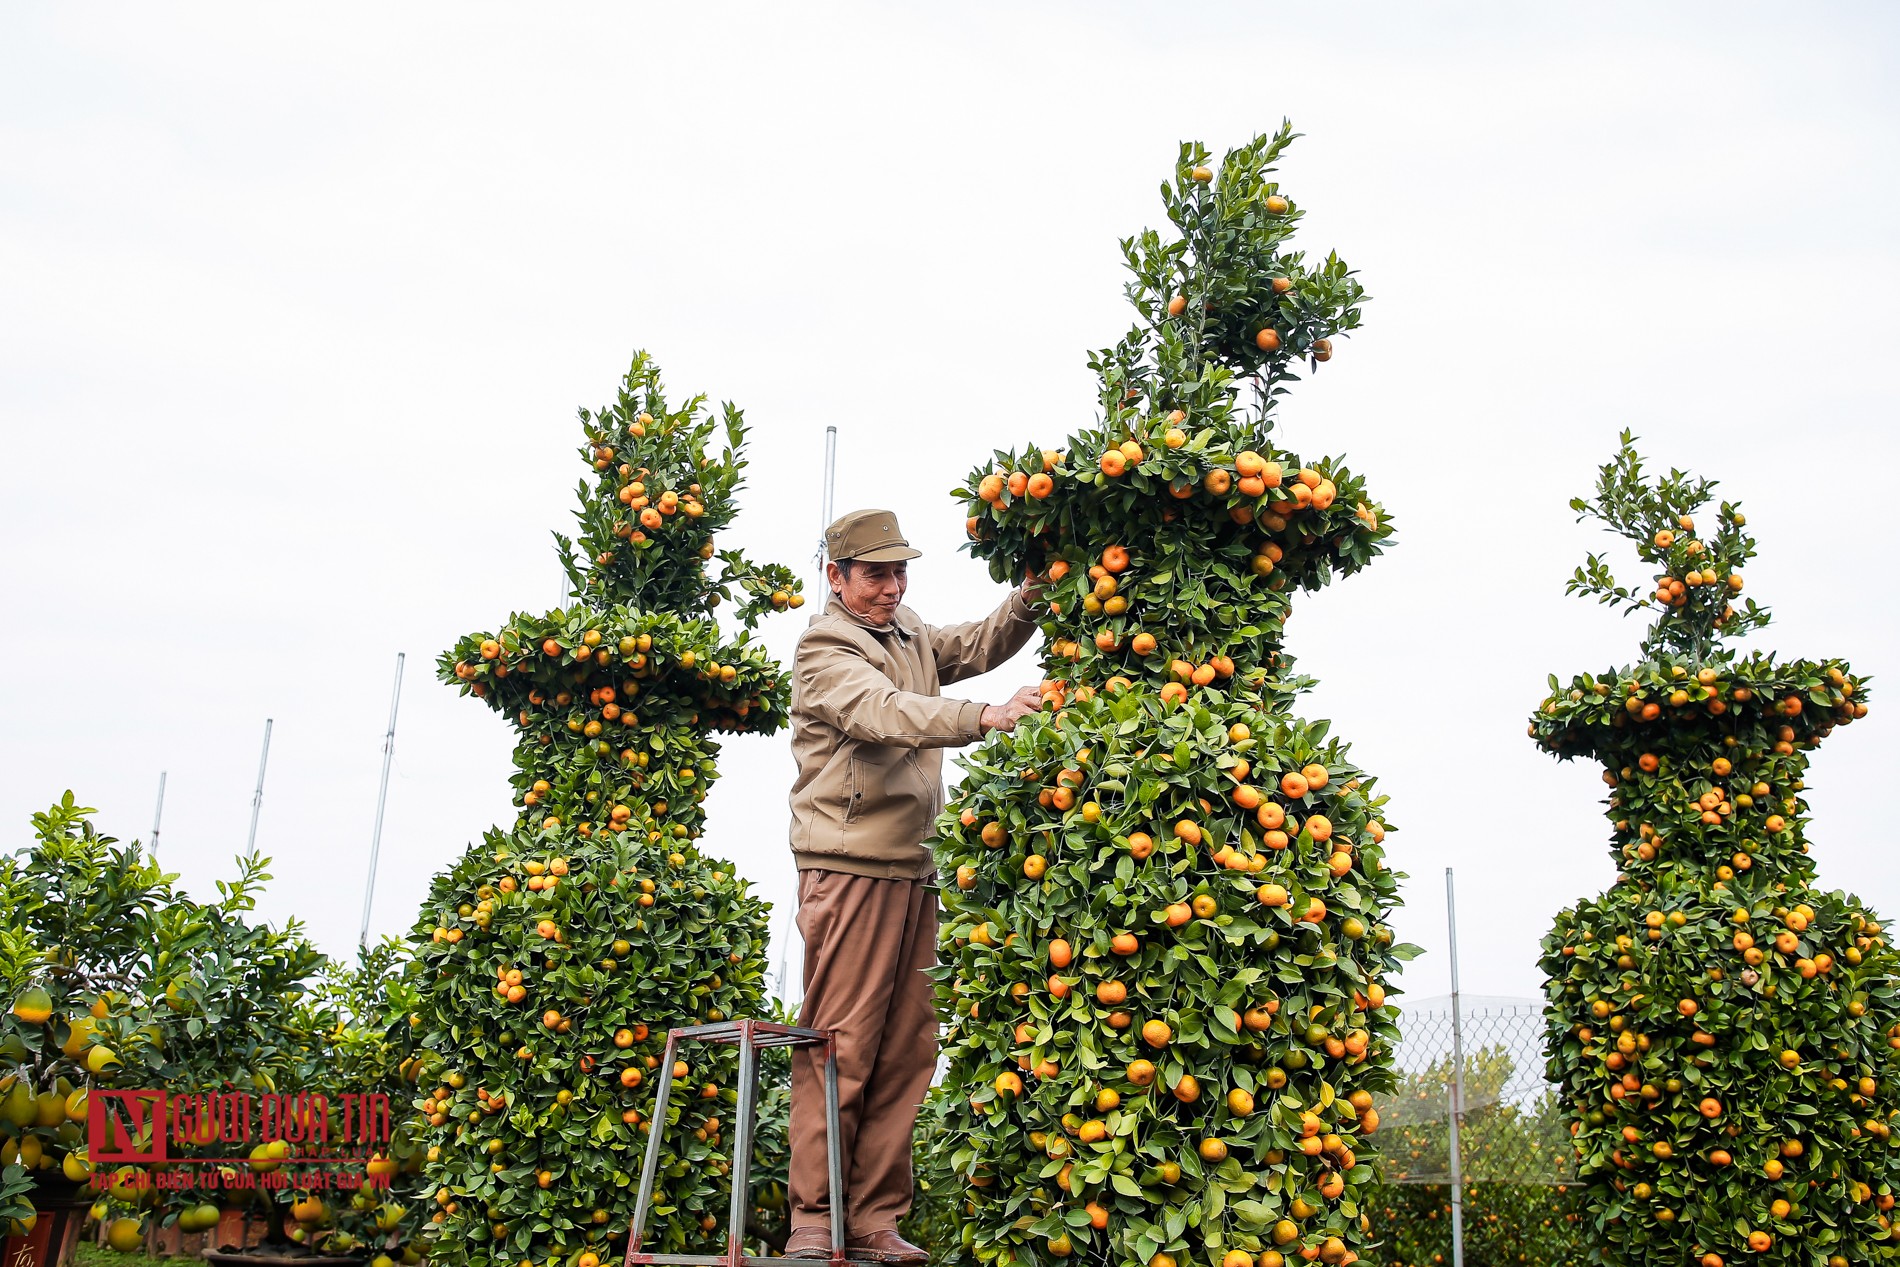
(808, 1242)
(884, 1246)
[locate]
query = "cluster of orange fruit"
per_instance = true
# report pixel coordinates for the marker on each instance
(1284, 514)
(686, 672)
(1669, 693)
(1673, 590)
(653, 508)
(1249, 478)
(1111, 584)
(630, 702)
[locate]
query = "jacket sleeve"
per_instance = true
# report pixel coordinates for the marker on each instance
(838, 685)
(980, 645)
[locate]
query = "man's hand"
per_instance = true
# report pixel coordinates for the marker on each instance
(1032, 589)
(1004, 716)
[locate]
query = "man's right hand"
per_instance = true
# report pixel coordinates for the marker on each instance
(1004, 716)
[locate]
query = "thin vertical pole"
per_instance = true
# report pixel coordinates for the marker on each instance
(382, 798)
(742, 1144)
(785, 956)
(826, 508)
(1457, 1083)
(157, 814)
(827, 511)
(257, 797)
(834, 1147)
(656, 1134)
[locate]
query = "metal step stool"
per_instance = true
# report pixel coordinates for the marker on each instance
(750, 1036)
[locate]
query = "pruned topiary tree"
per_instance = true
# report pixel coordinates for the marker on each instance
(1165, 942)
(556, 953)
(1723, 1030)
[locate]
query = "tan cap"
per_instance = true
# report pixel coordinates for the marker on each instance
(869, 536)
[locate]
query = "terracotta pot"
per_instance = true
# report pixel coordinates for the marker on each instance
(53, 1238)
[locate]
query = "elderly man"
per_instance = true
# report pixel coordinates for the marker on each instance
(868, 730)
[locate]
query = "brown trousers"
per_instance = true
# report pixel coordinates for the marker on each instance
(867, 944)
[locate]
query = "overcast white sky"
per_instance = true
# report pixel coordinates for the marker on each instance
(297, 303)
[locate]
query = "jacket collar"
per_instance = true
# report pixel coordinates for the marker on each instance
(904, 624)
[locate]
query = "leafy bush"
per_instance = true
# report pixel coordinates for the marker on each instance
(1723, 1031)
(17, 1213)
(1164, 947)
(554, 955)
(120, 980)
(358, 1040)
(1506, 1225)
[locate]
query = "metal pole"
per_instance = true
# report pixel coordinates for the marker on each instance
(826, 511)
(656, 1134)
(831, 472)
(157, 814)
(257, 797)
(1457, 1083)
(784, 985)
(382, 798)
(834, 1148)
(742, 1144)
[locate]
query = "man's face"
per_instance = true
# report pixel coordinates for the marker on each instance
(872, 590)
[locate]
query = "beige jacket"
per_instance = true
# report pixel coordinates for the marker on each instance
(868, 729)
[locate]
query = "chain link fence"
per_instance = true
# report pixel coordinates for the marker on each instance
(1512, 1129)
(1514, 1145)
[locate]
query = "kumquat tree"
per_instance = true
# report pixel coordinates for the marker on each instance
(1723, 1031)
(555, 955)
(1165, 945)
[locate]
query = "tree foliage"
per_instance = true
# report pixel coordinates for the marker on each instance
(1506, 1224)
(1165, 948)
(121, 980)
(555, 954)
(1699, 576)
(354, 1017)
(1723, 1030)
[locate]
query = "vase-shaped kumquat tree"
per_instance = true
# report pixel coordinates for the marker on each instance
(555, 955)
(1723, 1031)
(1165, 944)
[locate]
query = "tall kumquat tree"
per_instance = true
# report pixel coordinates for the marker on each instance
(555, 955)
(1724, 1031)
(1166, 943)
